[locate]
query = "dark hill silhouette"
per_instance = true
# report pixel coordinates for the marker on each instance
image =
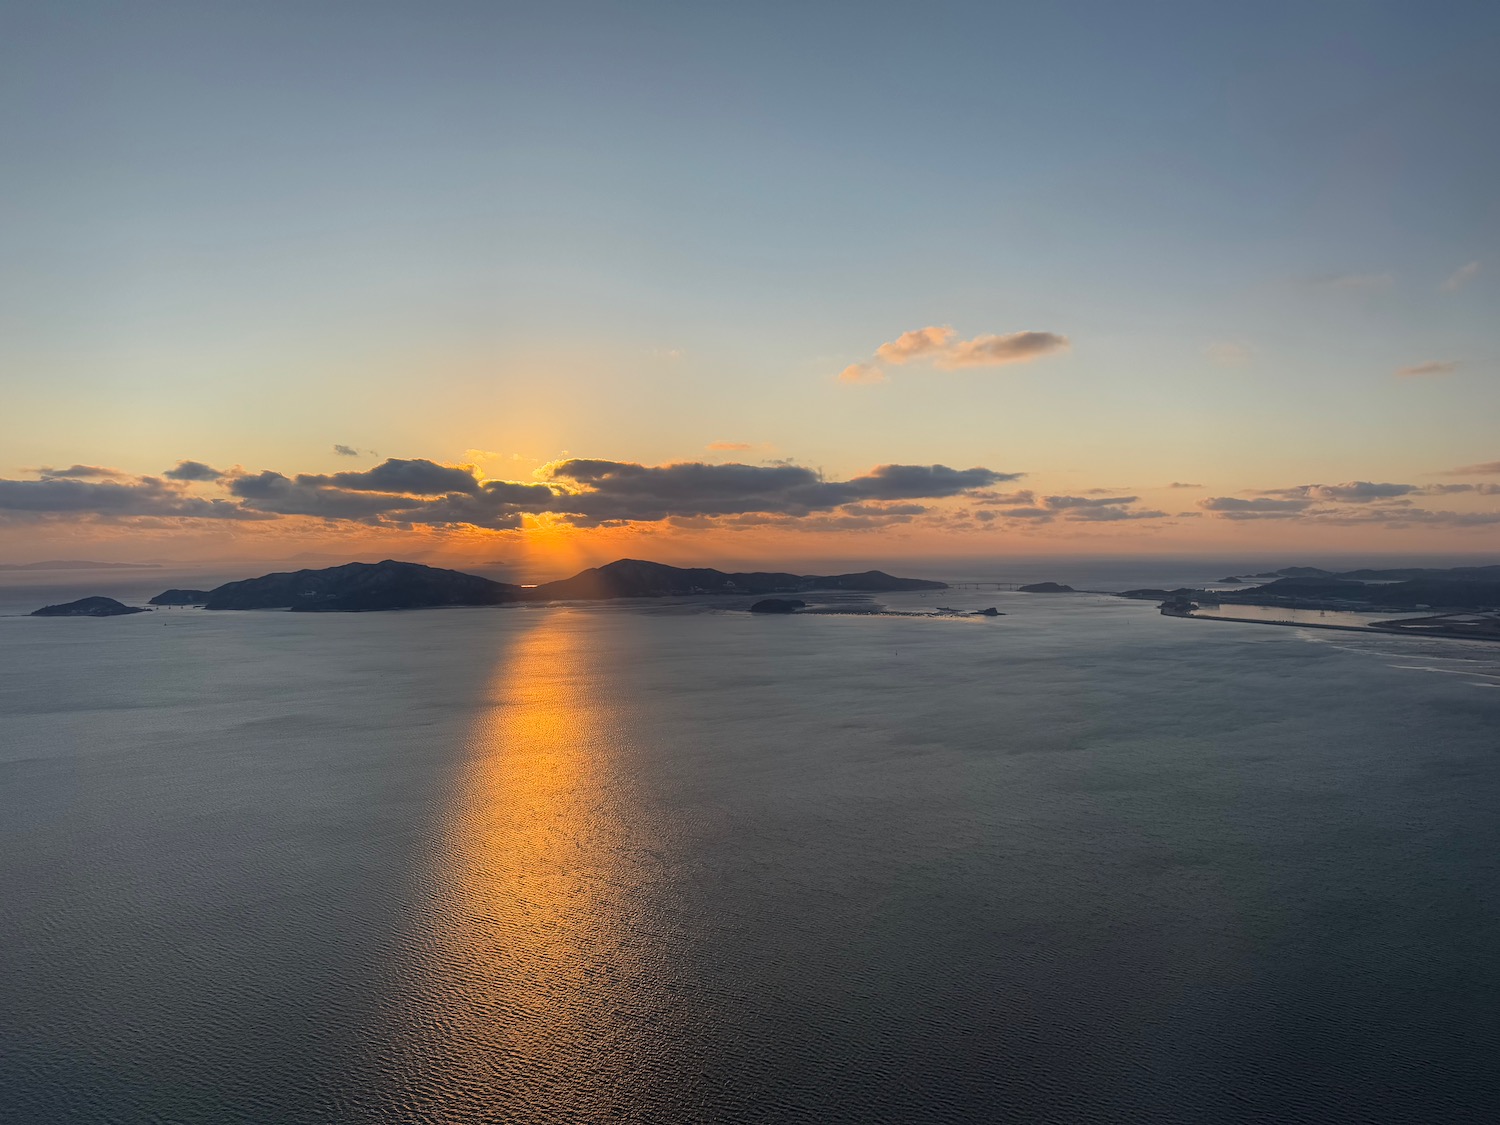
(362, 587)
(88, 607)
(636, 578)
(180, 597)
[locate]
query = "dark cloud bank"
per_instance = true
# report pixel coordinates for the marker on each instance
(585, 492)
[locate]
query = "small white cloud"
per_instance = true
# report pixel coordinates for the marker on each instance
(862, 373)
(915, 344)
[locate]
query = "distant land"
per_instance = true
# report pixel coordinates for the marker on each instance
(89, 607)
(365, 587)
(180, 597)
(79, 564)
(1463, 600)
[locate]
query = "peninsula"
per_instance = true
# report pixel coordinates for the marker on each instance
(1458, 601)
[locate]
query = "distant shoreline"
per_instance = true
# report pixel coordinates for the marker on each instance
(1381, 630)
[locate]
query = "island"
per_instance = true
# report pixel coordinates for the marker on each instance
(88, 607)
(360, 587)
(1047, 588)
(637, 578)
(778, 605)
(990, 612)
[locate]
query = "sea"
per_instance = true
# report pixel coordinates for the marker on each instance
(668, 861)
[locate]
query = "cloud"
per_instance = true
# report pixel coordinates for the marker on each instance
(417, 477)
(992, 351)
(399, 492)
(1431, 368)
(1183, 484)
(1102, 515)
(1349, 492)
(1483, 469)
(143, 496)
(729, 446)
(915, 344)
(626, 491)
(862, 373)
(1029, 512)
(402, 493)
(1024, 496)
(1089, 502)
(346, 450)
(1357, 491)
(1366, 282)
(192, 471)
(81, 472)
(937, 343)
(1232, 507)
(1228, 353)
(1460, 277)
(885, 509)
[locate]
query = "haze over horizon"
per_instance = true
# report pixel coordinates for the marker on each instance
(565, 284)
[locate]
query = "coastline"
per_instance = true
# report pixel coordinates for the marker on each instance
(1382, 630)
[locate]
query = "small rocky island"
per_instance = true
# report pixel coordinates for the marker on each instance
(778, 605)
(1047, 588)
(88, 607)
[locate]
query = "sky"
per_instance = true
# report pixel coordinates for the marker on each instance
(482, 281)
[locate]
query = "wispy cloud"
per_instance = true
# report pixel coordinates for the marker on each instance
(1430, 369)
(1233, 507)
(939, 345)
(994, 351)
(1460, 277)
(1183, 484)
(862, 373)
(1483, 469)
(729, 446)
(81, 472)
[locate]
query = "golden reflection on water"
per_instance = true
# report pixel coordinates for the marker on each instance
(542, 968)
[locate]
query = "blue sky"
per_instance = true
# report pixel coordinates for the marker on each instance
(241, 233)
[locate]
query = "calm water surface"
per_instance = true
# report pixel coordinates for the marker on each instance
(673, 863)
